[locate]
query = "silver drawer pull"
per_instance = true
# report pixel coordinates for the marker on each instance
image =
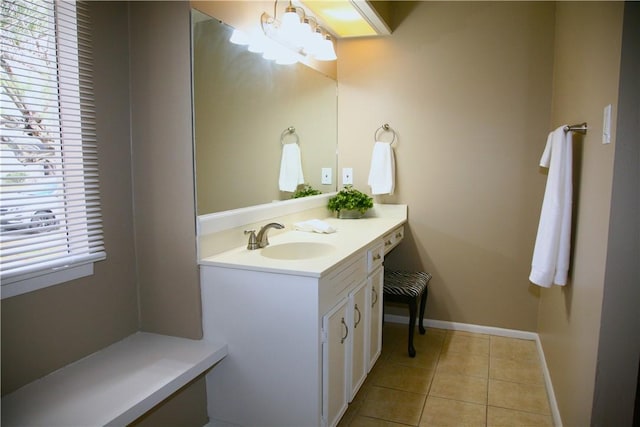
(346, 334)
(398, 235)
(359, 316)
(377, 257)
(375, 297)
(388, 242)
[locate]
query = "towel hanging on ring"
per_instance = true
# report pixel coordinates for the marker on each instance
(290, 168)
(383, 169)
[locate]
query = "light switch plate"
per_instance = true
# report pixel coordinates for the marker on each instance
(606, 125)
(347, 176)
(326, 175)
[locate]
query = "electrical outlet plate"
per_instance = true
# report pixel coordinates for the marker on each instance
(347, 176)
(326, 175)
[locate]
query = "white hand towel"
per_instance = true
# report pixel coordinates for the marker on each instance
(290, 168)
(314, 225)
(382, 172)
(550, 263)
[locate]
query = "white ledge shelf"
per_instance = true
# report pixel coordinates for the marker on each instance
(113, 386)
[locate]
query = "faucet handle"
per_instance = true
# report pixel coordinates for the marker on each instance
(253, 241)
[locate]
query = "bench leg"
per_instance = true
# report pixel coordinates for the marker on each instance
(423, 303)
(412, 326)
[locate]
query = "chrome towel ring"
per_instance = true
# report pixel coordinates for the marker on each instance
(385, 128)
(289, 131)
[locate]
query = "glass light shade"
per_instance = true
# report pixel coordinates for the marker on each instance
(286, 57)
(290, 25)
(326, 52)
(239, 37)
(257, 42)
(315, 43)
(305, 33)
(270, 51)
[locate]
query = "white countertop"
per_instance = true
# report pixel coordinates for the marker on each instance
(351, 235)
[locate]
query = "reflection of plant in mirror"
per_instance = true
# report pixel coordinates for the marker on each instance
(350, 199)
(304, 191)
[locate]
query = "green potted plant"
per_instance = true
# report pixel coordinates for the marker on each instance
(350, 203)
(304, 191)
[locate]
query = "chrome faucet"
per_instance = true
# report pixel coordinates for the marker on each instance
(263, 240)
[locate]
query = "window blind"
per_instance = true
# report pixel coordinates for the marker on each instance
(49, 198)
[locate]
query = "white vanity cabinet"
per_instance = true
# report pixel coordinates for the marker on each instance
(300, 340)
(358, 357)
(374, 286)
(335, 362)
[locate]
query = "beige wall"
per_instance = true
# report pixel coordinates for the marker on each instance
(49, 328)
(467, 87)
(587, 61)
(162, 157)
(619, 345)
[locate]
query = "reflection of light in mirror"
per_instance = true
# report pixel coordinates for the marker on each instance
(241, 104)
(239, 37)
(270, 49)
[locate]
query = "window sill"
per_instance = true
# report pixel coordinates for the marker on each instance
(25, 283)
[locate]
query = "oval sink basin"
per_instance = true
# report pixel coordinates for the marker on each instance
(297, 250)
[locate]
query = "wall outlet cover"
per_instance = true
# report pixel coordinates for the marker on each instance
(347, 176)
(326, 176)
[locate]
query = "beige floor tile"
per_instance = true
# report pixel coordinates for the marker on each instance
(360, 421)
(516, 370)
(464, 364)
(426, 358)
(468, 334)
(401, 377)
(501, 417)
(521, 397)
(468, 344)
(393, 405)
(446, 412)
(431, 339)
(513, 348)
(350, 414)
(459, 387)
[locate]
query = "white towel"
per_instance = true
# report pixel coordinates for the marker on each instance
(550, 263)
(315, 226)
(383, 169)
(290, 168)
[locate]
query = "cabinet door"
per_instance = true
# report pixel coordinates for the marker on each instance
(375, 318)
(334, 363)
(359, 320)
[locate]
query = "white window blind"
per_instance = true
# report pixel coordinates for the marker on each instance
(49, 198)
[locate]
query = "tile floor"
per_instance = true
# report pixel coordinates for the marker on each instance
(456, 379)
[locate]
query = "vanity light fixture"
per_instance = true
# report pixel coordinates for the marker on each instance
(295, 37)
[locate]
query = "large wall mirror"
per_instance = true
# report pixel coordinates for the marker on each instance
(243, 105)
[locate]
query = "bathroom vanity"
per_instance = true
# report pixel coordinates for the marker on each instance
(302, 319)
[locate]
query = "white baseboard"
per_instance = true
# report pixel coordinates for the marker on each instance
(501, 332)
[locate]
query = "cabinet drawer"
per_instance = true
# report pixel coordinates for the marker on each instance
(341, 280)
(375, 256)
(392, 239)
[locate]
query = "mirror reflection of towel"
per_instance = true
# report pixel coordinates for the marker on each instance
(290, 168)
(382, 172)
